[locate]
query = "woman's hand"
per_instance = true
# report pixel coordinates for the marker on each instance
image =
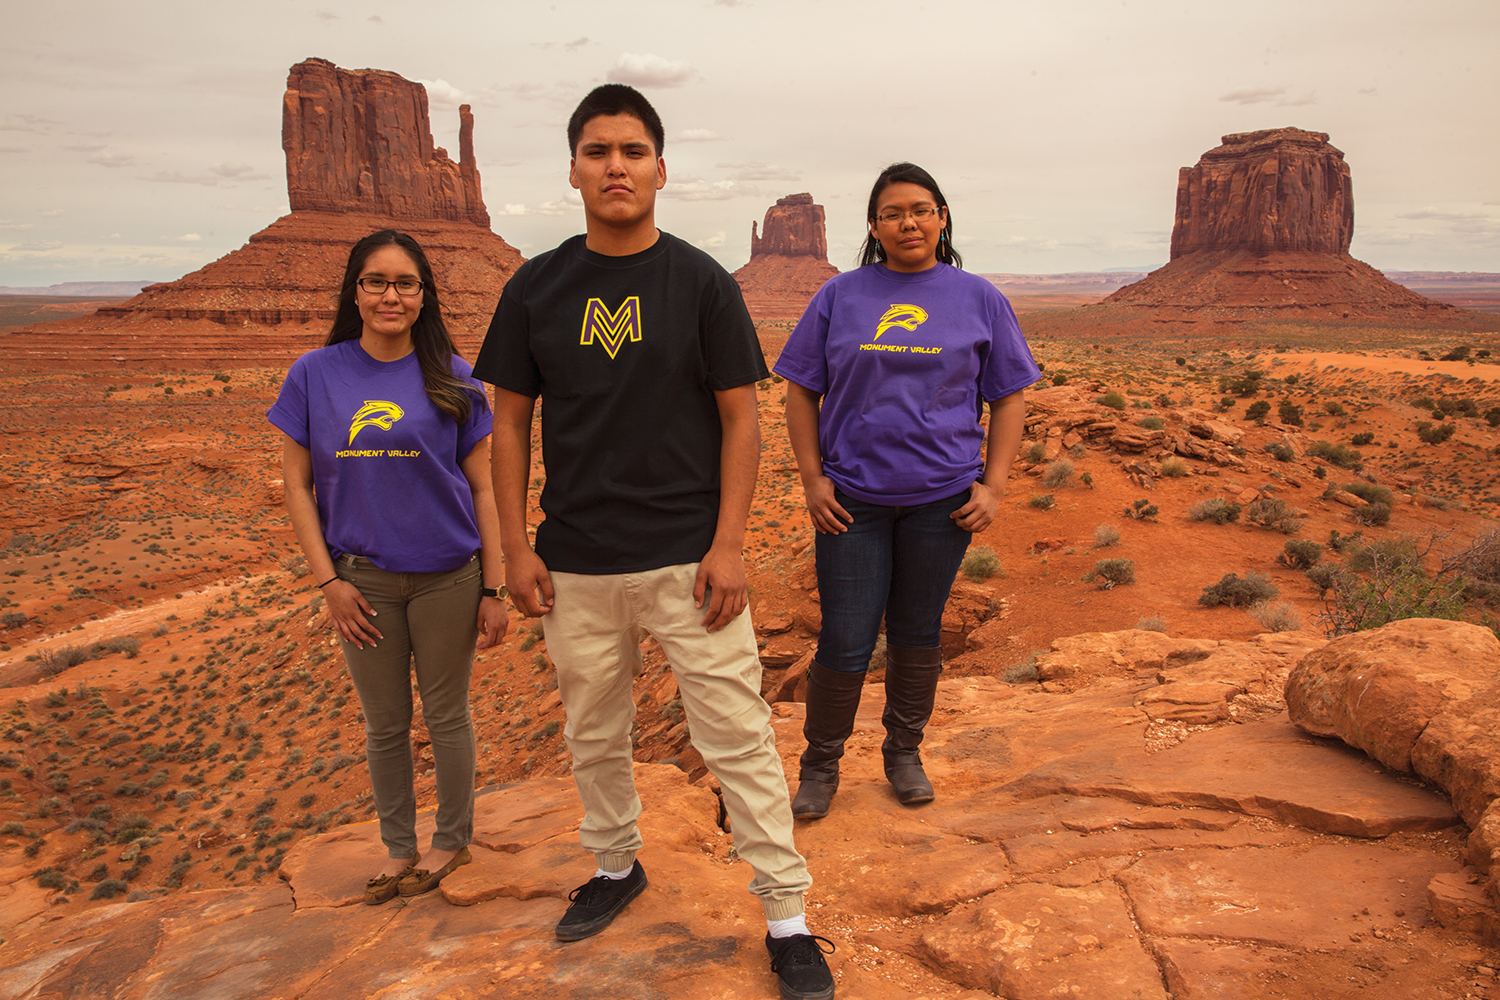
(348, 608)
(979, 512)
(494, 619)
(824, 509)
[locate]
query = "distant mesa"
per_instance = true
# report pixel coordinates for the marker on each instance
(359, 157)
(788, 259)
(1262, 231)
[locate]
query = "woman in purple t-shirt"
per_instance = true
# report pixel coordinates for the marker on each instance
(887, 375)
(386, 464)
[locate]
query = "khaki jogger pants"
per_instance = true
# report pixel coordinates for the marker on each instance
(593, 634)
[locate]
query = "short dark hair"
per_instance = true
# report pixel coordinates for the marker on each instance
(871, 252)
(615, 99)
(429, 334)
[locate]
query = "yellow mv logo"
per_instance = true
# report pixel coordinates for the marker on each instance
(611, 328)
(906, 317)
(375, 413)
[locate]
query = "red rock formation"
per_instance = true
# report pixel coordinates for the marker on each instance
(790, 262)
(361, 141)
(1262, 232)
(1281, 189)
(359, 157)
(794, 227)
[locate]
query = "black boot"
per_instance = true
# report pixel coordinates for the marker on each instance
(832, 700)
(911, 677)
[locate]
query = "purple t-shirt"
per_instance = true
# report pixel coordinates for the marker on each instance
(386, 461)
(904, 363)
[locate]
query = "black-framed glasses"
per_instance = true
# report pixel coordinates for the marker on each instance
(377, 286)
(894, 217)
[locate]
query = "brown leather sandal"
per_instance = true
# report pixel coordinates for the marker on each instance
(383, 888)
(421, 880)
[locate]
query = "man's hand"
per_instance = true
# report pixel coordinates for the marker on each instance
(979, 512)
(529, 583)
(721, 579)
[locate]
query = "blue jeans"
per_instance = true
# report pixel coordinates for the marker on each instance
(896, 562)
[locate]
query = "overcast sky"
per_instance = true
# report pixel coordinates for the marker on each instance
(140, 141)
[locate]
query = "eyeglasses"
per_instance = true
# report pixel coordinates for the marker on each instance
(377, 286)
(918, 215)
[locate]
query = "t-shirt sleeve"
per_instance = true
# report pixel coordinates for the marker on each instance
(731, 347)
(289, 413)
(505, 359)
(1008, 366)
(481, 419)
(804, 359)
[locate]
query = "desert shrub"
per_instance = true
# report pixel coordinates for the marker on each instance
(1319, 472)
(1374, 515)
(1393, 592)
(1300, 553)
(1435, 435)
(1143, 510)
(1424, 402)
(51, 878)
(1272, 512)
(1462, 406)
(1237, 592)
(1385, 552)
(1278, 617)
(1036, 453)
(1058, 474)
(55, 661)
(1336, 454)
(1281, 451)
(1043, 501)
(13, 619)
(1059, 379)
(1216, 509)
(1180, 361)
(981, 563)
(1363, 437)
(1492, 416)
(1152, 423)
(1325, 575)
(110, 887)
(1155, 623)
(1289, 413)
(1112, 572)
(1111, 399)
(1164, 401)
(1371, 492)
(127, 644)
(1227, 403)
(1459, 353)
(1479, 559)
(1334, 408)
(1174, 467)
(1258, 411)
(1339, 543)
(1106, 535)
(1020, 673)
(1246, 384)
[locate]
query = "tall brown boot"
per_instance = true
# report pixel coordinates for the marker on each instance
(911, 677)
(832, 700)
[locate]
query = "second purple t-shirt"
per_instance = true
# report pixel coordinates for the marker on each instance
(904, 362)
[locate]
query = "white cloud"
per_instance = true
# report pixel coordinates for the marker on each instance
(713, 242)
(1431, 213)
(576, 43)
(24, 123)
(1298, 102)
(174, 177)
(646, 70)
(567, 203)
(513, 210)
(442, 94)
(39, 247)
(108, 159)
(51, 213)
(760, 172)
(698, 135)
(235, 170)
(692, 189)
(6, 224)
(189, 238)
(1253, 95)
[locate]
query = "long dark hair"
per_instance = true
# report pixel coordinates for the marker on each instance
(871, 252)
(429, 334)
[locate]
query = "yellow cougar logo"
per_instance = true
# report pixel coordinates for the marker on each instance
(611, 328)
(906, 317)
(375, 413)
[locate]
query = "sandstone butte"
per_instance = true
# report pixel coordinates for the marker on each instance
(1261, 233)
(359, 157)
(788, 259)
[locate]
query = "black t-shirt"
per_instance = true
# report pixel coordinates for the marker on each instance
(626, 354)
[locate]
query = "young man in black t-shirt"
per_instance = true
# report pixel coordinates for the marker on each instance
(645, 360)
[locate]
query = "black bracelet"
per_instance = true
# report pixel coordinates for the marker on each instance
(327, 582)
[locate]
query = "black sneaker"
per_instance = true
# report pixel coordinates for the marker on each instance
(597, 902)
(801, 971)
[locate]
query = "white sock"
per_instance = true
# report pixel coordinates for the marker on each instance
(601, 873)
(788, 927)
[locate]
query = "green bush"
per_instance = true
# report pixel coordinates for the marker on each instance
(1375, 515)
(1364, 437)
(1258, 411)
(1272, 512)
(1246, 384)
(1336, 454)
(1325, 575)
(1218, 510)
(1335, 409)
(981, 563)
(1173, 467)
(1043, 501)
(1393, 592)
(110, 887)
(1300, 553)
(1289, 413)
(1237, 592)
(1435, 435)
(1371, 493)
(1059, 379)
(1111, 399)
(1280, 451)
(1385, 553)
(1112, 572)
(1036, 452)
(1152, 423)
